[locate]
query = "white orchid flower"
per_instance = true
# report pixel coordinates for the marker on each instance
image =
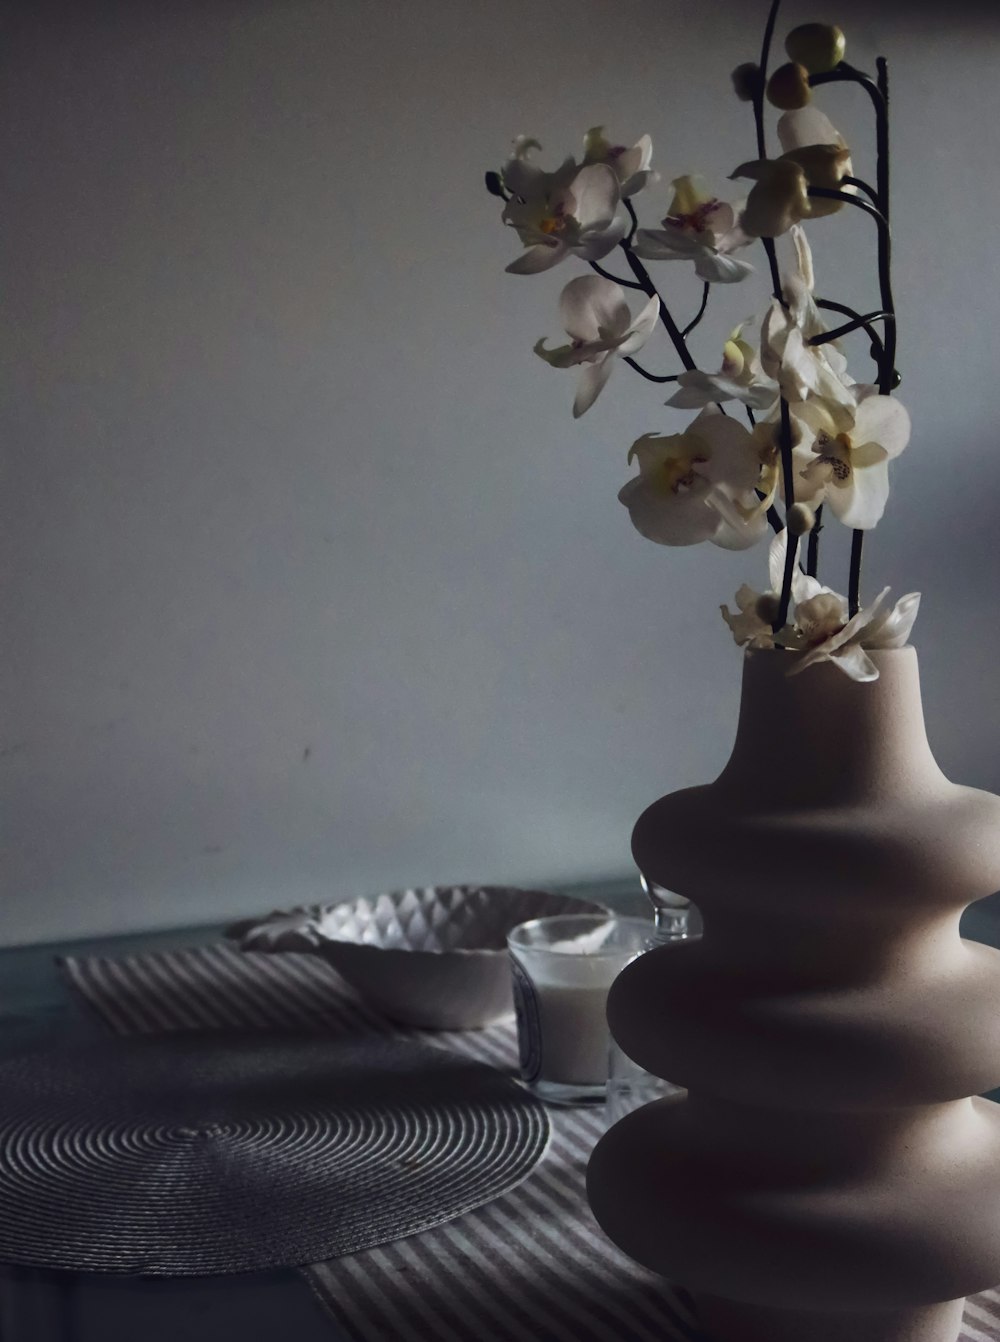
(848, 459)
(630, 166)
(697, 228)
(697, 485)
(844, 642)
(780, 197)
(810, 139)
(556, 215)
(801, 370)
(741, 378)
(749, 628)
(821, 628)
(522, 176)
(601, 329)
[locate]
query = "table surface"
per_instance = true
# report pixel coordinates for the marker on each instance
(37, 1008)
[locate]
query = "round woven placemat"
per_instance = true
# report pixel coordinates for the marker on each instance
(191, 1154)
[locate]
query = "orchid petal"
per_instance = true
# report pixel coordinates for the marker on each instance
(806, 126)
(714, 268)
(597, 244)
(803, 257)
(892, 628)
(595, 192)
(589, 303)
(668, 520)
(860, 506)
(642, 328)
(563, 356)
(541, 257)
(665, 244)
(737, 531)
(855, 662)
(882, 420)
(591, 384)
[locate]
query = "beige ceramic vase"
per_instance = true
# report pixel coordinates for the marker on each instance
(827, 1177)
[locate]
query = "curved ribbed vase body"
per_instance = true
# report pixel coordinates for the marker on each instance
(829, 1175)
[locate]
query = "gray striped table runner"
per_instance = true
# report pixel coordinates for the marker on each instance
(530, 1266)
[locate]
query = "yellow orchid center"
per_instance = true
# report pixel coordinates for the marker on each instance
(552, 223)
(677, 474)
(733, 359)
(690, 207)
(670, 463)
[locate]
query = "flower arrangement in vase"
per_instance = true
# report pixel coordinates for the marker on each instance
(785, 436)
(827, 1174)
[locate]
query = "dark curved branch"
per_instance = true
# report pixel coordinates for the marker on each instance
(634, 218)
(788, 485)
(626, 284)
(878, 348)
(847, 74)
(758, 116)
(650, 377)
(648, 287)
(887, 373)
(846, 198)
(812, 557)
(861, 185)
(854, 585)
(765, 56)
(699, 314)
(856, 324)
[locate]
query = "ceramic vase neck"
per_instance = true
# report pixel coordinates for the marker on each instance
(818, 738)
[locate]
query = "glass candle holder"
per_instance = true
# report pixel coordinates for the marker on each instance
(562, 969)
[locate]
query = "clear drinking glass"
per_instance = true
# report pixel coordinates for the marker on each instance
(629, 1085)
(562, 969)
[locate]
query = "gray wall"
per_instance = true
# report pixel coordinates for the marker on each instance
(310, 584)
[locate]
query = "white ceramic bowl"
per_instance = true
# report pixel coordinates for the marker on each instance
(435, 958)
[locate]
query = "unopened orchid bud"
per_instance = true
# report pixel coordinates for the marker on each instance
(748, 81)
(768, 607)
(819, 47)
(800, 519)
(788, 88)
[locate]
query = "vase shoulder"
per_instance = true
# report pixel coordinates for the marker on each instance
(941, 848)
(831, 789)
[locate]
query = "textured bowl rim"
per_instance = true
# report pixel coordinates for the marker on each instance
(586, 906)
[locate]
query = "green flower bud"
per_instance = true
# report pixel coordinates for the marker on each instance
(817, 46)
(748, 81)
(788, 88)
(800, 519)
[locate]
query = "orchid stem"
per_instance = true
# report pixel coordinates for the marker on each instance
(878, 348)
(861, 185)
(888, 378)
(671, 327)
(650, 377)
(812, 558)
(785, 441)
(885, 349)
(855, 324)
(765, 56)
(625, 284)
(699, 314)
(847, 74)
(788, 486)
(758, 116)
(854, 586)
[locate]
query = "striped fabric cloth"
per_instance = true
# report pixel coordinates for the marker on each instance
(531, 1266)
